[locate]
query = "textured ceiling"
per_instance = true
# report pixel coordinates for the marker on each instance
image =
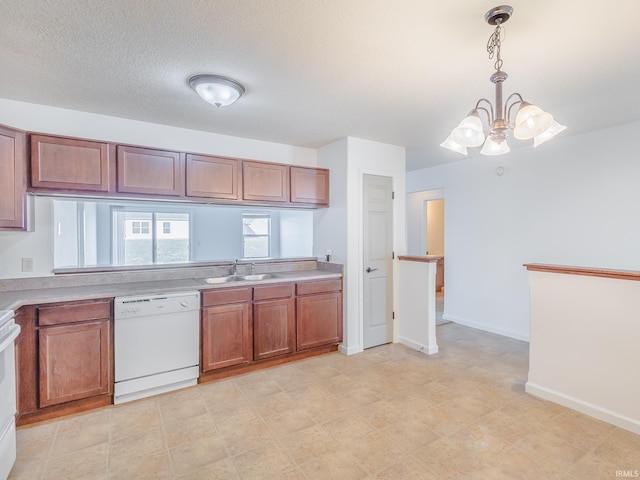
(402, 72)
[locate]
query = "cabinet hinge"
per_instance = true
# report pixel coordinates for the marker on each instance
(393, 255)
(393, 195)
(393, 315)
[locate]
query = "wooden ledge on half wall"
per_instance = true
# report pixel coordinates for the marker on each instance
(586, 271)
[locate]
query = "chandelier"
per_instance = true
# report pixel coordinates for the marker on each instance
(531, 122)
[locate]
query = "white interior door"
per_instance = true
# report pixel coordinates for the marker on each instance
(377, 260)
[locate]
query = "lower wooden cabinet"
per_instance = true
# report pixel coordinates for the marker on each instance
(319, 320)
(226, 328)
(226, 338)
(273, 328)
(318, 313)
(64, 358)
(74, 361)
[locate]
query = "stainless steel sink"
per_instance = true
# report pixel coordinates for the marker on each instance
(238, 278)
(227, 279)
(259, 276)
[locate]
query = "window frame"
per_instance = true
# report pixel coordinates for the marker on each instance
(267, 235)
(118, 230)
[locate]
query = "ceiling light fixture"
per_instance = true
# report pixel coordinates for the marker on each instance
(216, 89)
(531, 122)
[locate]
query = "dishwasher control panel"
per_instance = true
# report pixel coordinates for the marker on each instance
(159, 304)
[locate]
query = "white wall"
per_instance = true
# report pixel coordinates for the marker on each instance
(584, 345)
(339, 228)
(572, 201)
(37, 245)
(58, 121)
(296, 233)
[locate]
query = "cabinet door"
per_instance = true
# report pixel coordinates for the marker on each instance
(226, 336)
(156, 172)
(213, 177)
(310, 186)
(74, 362)
(12, 179)
(70, 164)
(319, 320)
(265, 182)
(273, 328)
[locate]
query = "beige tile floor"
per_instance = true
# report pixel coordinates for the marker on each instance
(388, 413)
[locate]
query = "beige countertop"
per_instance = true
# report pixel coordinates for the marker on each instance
(14, 299)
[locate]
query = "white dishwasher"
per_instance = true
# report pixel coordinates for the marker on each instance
(156, 344)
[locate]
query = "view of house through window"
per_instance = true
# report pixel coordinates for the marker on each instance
(147, 237)
(256, 231)
(89, 233)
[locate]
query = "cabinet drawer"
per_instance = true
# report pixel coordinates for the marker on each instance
(320, 286)
(74, 312)
(268, 292)
(224, 296)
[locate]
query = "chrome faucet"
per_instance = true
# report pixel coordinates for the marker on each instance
(234, 269)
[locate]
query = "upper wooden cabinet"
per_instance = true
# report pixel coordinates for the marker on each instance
(310, 186)
(13, 215)
(71, 164)
(78, 166)
(147, 171)
(213, 177)
(265, 182)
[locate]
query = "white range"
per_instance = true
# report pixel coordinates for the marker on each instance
(9, 331)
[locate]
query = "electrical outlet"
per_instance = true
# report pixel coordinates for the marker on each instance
(27, 264)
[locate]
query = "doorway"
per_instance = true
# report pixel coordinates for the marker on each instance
(434, 234)
(425, 234)
(377, 260)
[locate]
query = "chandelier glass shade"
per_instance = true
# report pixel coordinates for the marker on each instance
(531, 122)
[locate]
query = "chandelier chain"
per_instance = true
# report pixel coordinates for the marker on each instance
(493, 45)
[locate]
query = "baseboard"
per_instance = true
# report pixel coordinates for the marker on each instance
(487, 328)
(418, 346)
(350, 350)
(587, 408)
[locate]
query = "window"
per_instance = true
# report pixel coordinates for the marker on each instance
(256, 231)
(139, 228)
(143, 237)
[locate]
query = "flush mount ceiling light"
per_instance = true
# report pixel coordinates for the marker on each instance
(531, 122)
(216, 89)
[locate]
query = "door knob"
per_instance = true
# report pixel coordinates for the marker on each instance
(369, 269)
